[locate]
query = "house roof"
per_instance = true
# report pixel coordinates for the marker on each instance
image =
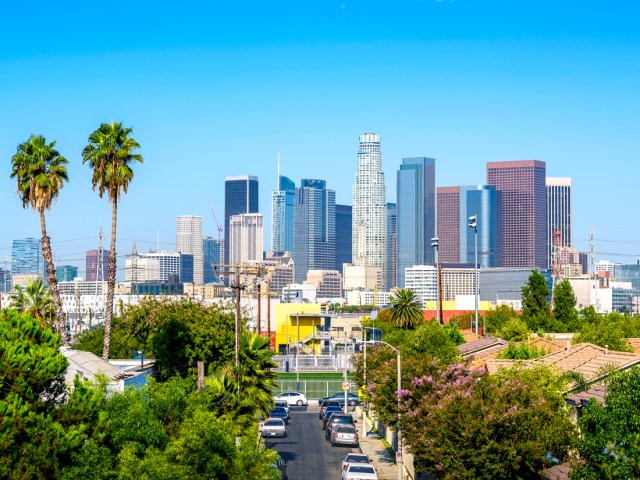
(475, 346)
(581, 399)
(584, 358)
(559, 472)
(88, 365)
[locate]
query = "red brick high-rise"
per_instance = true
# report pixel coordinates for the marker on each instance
(524, 211)
(91, 264)
(448, 218)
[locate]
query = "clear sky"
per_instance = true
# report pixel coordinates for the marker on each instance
(213, 89)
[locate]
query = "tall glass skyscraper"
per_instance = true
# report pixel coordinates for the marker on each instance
(370, 239)
(26, 257)
(524, 211)
(282, 207)
(392, 223)
(211, 254)
(558, 212)
(314, 246)
(486, 203)
(416, 205)
(240, 196)
(344, 221)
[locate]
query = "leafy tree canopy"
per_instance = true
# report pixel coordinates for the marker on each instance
(514, 330)
(564, 305)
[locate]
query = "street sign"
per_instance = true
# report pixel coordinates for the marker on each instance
(346, 386)
(398, 457)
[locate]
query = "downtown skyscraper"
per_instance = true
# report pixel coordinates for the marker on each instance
(240, 196)
(344, 233)
(314, 245)
(524, 211)
(370, 239)
(558, 212)
(26, 257)
(282, 211)
(416, 211)
(189, 240)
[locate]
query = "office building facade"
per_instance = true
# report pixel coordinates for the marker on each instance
(344, 235)
(448, 224)
(314, 245)
(211, 249)
(369, 238)
(246, 238)
(558, 213)
(416, 211)
(392, 225)
(189, 240)
(66, 273)
(240, 196)
(524, 211)
(282, 213)
(26, 257)
(92, 266)
(486, 204)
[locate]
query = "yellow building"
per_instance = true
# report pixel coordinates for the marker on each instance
(296, 323)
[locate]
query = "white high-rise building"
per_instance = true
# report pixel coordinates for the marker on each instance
(370, 240)
(558, 212)
(189, 240)
(246, 238)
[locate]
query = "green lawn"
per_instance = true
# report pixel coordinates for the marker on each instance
(313, 385)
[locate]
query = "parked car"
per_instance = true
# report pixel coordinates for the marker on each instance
(352, 399)
(279, 412)
(274, 427)
(338, 419)
(325, 405)
(344, 435)
(360, 472)
(283, 404)
(281, 467)
(293, 398)
(354, 459)
(328, 412)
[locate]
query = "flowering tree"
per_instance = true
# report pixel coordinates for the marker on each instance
(466, 424)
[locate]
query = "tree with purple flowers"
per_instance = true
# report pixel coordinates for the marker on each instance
(467, 424)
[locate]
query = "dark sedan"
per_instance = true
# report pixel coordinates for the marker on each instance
(352, 399)
(281, 413)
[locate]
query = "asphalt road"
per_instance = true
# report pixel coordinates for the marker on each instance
(307, 454)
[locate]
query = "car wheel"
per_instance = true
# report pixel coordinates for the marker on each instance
(352, 403)
(299, 403)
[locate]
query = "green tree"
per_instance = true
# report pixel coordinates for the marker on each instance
(33, 442)
(603, 330)
(432, 340)
(521, 351)
(40, 172)
(257, 376)
(610, 432)
(564, 305)
(462, 424)
(405, 309)
(110, 154)
(514, 330)
(536, 310)
(495, 319)
(34, 300)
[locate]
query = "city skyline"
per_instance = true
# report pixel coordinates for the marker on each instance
(458, 81)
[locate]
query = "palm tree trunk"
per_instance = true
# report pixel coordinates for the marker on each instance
(111, 282)
(53, 282)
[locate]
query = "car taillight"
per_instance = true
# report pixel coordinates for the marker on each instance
(329, 426)
(335, 435)
(355, 436)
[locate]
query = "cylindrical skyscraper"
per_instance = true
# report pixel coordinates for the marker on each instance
(370, 240)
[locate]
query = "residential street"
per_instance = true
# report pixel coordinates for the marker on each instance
(307, 454)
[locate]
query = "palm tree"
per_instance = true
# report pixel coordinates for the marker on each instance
(40, 172)
(406, 309)
(110, 155)
(34, 300)
(257, 375)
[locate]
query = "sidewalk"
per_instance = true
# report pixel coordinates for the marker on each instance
(372, 445)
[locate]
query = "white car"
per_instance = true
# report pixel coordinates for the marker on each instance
(354, 459)
(357, 471)
(274, 427)
(292, 398)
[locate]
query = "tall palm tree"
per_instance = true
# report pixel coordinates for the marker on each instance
(40, 172)
(405, 309)
(34, 300)
(110, 153)
(257, 375)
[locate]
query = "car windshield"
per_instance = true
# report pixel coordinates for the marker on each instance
(342, 419)
(357, 458)
(361, 469)
(273, 423)
(279, 409)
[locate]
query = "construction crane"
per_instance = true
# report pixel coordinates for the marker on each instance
(220, 231)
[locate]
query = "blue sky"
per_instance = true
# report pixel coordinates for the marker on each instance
(214, 89)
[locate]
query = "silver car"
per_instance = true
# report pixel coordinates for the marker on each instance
(360, 472)
(292, 398)
(343, 435)
(274, 427)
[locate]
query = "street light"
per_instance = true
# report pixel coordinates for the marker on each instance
(434, 243)
(398, 430)
(473, 223)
